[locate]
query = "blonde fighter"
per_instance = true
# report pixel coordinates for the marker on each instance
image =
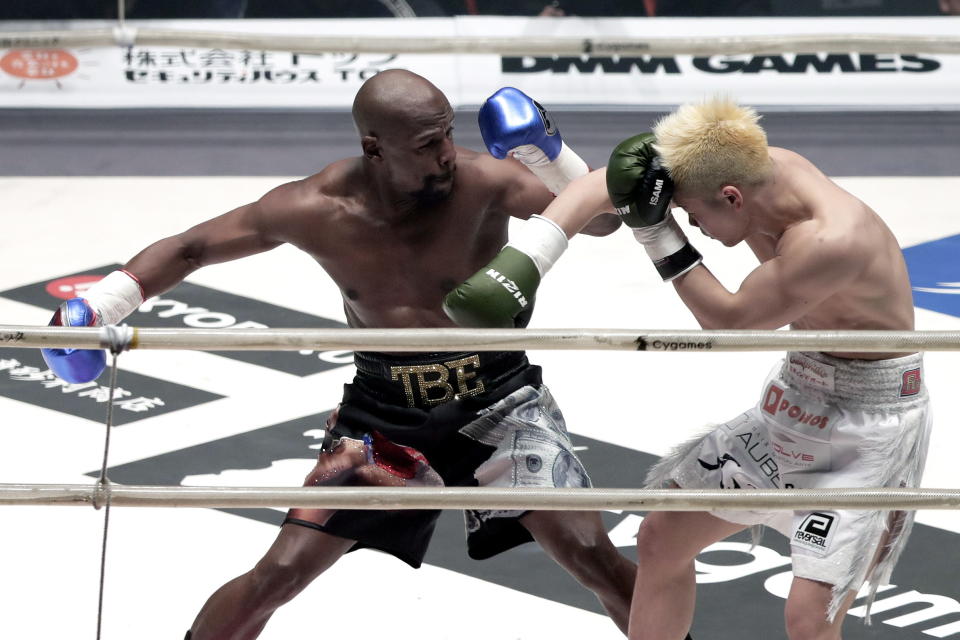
(840, 420)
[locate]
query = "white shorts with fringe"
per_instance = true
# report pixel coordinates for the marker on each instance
(821, 422)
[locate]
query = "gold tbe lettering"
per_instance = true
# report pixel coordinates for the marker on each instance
(463, 375)
(424, 386)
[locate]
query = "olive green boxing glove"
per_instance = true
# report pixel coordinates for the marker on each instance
(501, 294)
(640, 188)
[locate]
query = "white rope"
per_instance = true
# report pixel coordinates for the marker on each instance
(480, 498)
(479, 339)
(512, 46)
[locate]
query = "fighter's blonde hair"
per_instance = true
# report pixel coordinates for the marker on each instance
(711, 144)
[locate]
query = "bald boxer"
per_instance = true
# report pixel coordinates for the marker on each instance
(823, 420)
(396, 229)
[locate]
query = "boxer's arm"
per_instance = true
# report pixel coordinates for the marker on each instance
(778, 292)
(244, 231)
(247, 230)
(582, 204)
(583, 211)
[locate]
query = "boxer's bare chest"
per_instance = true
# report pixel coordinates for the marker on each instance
(396, 273)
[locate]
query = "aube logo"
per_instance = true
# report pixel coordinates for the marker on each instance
(933, 274)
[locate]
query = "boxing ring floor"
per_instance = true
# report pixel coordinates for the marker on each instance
(215, 419)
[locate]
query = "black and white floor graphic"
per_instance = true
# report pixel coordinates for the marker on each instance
(257, 419)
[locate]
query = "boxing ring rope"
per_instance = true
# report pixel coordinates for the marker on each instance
(127, 36)
(406, 340)
(120, 338)
(117, 339)
(477, 498)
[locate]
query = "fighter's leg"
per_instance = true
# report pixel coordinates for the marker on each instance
(805, 614)
(808, 603)
(578, 542)
(239, 609)
(665, 588)
(302, 551)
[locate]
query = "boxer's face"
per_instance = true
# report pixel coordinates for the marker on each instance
(720, 217)
(419, 154)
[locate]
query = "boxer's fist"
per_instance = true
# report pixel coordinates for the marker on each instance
(513, 122)
(75, 365)
(641, 188)
(497, 294)
(106, 302)
(501, 294)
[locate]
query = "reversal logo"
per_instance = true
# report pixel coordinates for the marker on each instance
(814, 532)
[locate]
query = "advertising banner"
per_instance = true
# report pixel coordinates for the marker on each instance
(160, 76)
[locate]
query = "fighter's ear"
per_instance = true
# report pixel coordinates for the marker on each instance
(371, 147)
(732, 196)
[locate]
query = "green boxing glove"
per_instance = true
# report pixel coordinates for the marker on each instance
(501, 294)
(640, 188)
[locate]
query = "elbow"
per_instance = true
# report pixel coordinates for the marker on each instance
(602, 225)
(190, 253)
(720, 319)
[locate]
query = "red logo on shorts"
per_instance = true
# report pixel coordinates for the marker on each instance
(910, 383)
(775, 403)
(71, 286)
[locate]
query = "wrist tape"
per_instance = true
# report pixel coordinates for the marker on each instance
(667, 245)
(557, 173)
(542, 240)
(115, 297)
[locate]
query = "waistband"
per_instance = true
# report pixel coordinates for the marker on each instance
(892, 382)
(426, 380)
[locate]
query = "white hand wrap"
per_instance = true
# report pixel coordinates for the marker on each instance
(666, 245)
(542, 240)
(555, 174)
(115, 297)
(662, 239)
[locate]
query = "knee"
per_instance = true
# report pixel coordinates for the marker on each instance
(589, 556)
(596, 563)
(653, 540)
(806, 622)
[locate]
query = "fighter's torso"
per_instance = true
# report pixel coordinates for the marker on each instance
(878, 296)
(395, 273)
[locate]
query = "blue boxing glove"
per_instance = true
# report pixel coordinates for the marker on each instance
(513, 123)
(106, 302)
(75, 365)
